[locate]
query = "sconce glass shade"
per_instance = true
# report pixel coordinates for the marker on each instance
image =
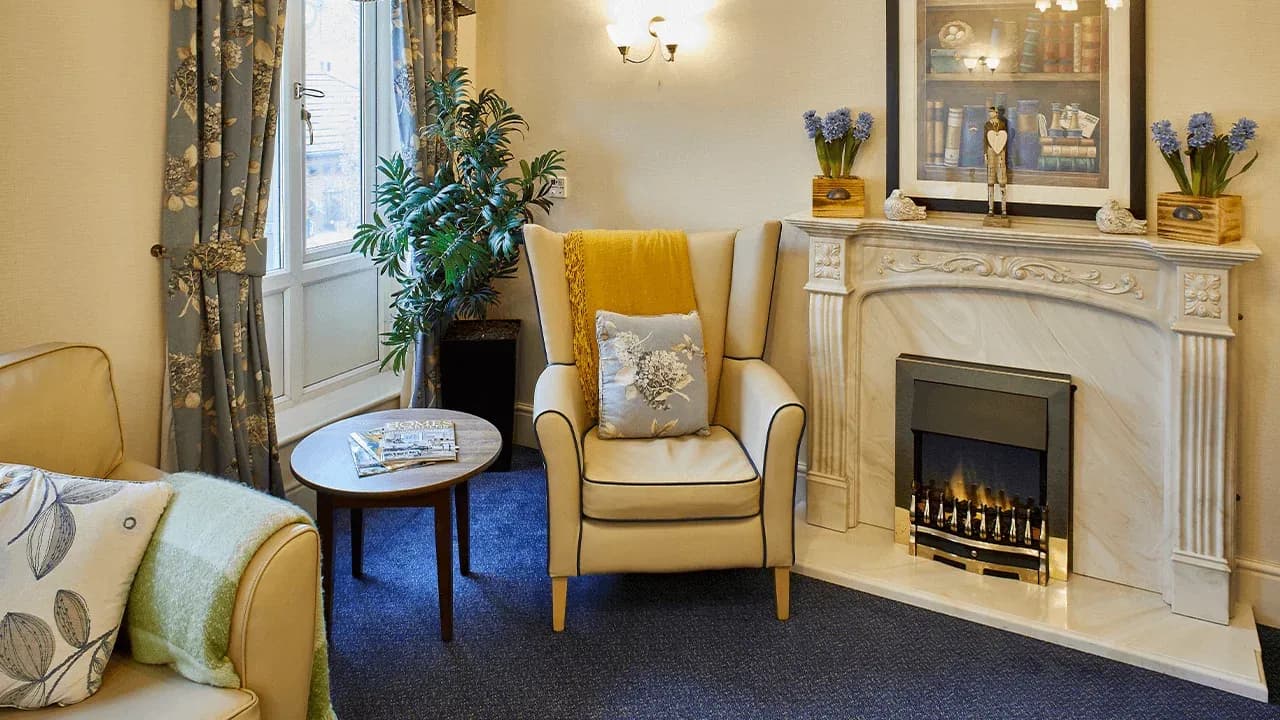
(626, 35)
(622, 36)
(1044, 5)
(1115, 4)
(971, 63)
(993, 63)
(671, 32)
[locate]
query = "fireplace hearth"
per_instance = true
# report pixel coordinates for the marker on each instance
(984, 467)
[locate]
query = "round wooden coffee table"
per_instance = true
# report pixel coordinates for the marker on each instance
(322, 462)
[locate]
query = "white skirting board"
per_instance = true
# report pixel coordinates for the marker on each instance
(523, 431)
(1258, 584)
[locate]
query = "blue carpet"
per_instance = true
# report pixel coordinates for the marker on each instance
(701, 645)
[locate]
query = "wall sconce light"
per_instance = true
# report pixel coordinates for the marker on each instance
(665, 34)
(990, 63)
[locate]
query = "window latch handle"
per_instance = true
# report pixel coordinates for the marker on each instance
(300, 91)
(311, 131)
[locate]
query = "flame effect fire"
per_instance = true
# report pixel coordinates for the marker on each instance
(962, 486)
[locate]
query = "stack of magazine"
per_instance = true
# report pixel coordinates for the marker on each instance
(400, 445)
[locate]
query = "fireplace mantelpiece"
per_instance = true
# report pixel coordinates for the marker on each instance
(1145, 321)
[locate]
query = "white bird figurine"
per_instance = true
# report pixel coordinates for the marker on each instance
(900, 207)
(1115, 219)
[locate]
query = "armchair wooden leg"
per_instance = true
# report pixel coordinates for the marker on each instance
(782, 591)
(559, 596)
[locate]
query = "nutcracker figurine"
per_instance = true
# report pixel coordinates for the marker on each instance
(995, 142)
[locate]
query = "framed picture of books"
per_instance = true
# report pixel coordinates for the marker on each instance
(1069, 81)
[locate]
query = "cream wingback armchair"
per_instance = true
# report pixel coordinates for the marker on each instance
(673, 504)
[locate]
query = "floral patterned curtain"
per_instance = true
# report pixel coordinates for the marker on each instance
(224, 78)
(424, 43)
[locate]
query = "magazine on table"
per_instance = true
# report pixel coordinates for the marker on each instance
(401, 445)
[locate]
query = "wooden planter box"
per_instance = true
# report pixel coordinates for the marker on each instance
(839, 197)
(1211, 221)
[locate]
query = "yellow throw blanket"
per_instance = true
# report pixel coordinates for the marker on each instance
(633, 272)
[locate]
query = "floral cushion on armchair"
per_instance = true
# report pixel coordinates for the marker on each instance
(69, 548)
(653, 375)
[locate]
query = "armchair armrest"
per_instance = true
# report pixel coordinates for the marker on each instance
(758, 406)
(176, 605)
(273, 622)
(560, 421)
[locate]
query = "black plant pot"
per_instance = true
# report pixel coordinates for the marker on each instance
(478, 375)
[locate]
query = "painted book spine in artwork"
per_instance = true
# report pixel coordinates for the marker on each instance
(1065, 43)
(929, 147)
(935, 133)
(1028, 134)
(1068, 155)
(955, 129)
(1077, 48)
(939, 131)
(1011, 121)
(971, 151)
(1049, 43)
(1091, 44)
(1030, 61)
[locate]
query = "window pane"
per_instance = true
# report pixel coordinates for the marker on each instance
(272, 230)
(333, 179)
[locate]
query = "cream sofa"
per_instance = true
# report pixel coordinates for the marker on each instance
(58, 411)
(673, 504)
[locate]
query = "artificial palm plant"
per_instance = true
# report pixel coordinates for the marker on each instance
(446, 239)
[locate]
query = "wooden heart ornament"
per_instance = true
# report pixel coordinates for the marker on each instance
(997, 139)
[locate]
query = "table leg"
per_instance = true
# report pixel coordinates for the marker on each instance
(324, 524)
(357, 542)
(444, 562)
(462, 502)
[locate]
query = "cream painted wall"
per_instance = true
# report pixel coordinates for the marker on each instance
(81, 155)
(714, 140)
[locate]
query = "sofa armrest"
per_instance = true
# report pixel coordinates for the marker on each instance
(758, 406)
(560, 421)
(273, 622)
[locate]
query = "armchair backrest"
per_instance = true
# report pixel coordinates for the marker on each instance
(58, 410)
(732, 283)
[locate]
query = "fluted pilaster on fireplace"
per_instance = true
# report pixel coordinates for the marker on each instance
(1201, 490)
(1116, 312)
(830, 504)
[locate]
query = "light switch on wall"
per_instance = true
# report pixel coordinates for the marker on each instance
(559, 187)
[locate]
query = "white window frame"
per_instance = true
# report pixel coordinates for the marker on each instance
(303, 407)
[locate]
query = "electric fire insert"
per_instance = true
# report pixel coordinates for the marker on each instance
(983, 467)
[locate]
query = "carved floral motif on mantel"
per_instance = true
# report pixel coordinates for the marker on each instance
(1202, 295)
(1016, 268)
(826, 261)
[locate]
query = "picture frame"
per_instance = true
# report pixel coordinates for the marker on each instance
(1076, 111)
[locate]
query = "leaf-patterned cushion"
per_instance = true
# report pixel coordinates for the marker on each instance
(69, 548)
(653, 375)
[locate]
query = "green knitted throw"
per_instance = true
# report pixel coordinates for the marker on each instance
(179, 611)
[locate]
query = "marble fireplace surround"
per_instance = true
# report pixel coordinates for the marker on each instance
(1144, 327)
